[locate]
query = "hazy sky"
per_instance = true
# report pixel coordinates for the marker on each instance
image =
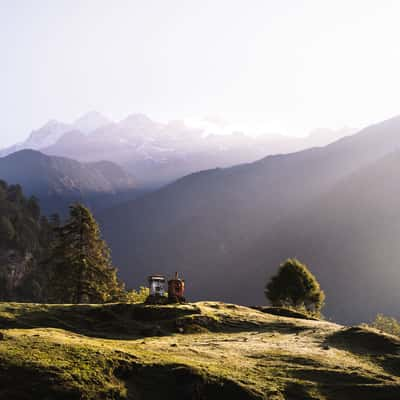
(279, 66)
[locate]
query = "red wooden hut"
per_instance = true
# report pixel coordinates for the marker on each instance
(176, 289)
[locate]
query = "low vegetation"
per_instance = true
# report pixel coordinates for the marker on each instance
(137, 296)
(205, 350)
(386, 324)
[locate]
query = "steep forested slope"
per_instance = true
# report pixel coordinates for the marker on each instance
(24, 238)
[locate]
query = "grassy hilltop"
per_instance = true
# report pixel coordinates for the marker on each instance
(198, 351)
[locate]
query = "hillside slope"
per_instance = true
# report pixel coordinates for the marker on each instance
(195, 351)
(24, 239)
(350, 238)
(58, 181)
(204, 224)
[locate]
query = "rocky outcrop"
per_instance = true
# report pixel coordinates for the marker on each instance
(14, 268)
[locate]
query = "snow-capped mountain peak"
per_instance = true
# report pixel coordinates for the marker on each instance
(47, 135)
(90, 122)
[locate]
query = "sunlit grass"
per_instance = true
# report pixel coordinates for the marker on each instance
(259, 352)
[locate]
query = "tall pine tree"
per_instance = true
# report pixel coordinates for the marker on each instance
(80, 264)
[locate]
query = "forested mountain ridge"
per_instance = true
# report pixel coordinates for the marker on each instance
(24, 239)
(206, 222)
(44, 259)
(58, 181)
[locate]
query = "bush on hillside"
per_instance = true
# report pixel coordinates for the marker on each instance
(386, 324)
(137, 296)
(296, 287)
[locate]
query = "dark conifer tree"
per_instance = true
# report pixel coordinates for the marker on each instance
(33, 207)
(7, 231)
(80, 262)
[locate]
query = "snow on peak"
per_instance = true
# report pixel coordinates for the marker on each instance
(90, 122)
(137, 120)
(47, 135)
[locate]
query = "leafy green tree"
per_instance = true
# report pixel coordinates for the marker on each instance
(80, 262)
(295, 286)
(386, 324)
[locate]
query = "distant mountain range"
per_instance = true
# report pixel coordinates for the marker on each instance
(226, 230)
(53, 130)
(157, 153)
(58, 181)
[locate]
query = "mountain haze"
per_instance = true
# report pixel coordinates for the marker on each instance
(58, 181)
(350, 235)
(206, 224)
(159, 153)
(54, 130)
(90, 122)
